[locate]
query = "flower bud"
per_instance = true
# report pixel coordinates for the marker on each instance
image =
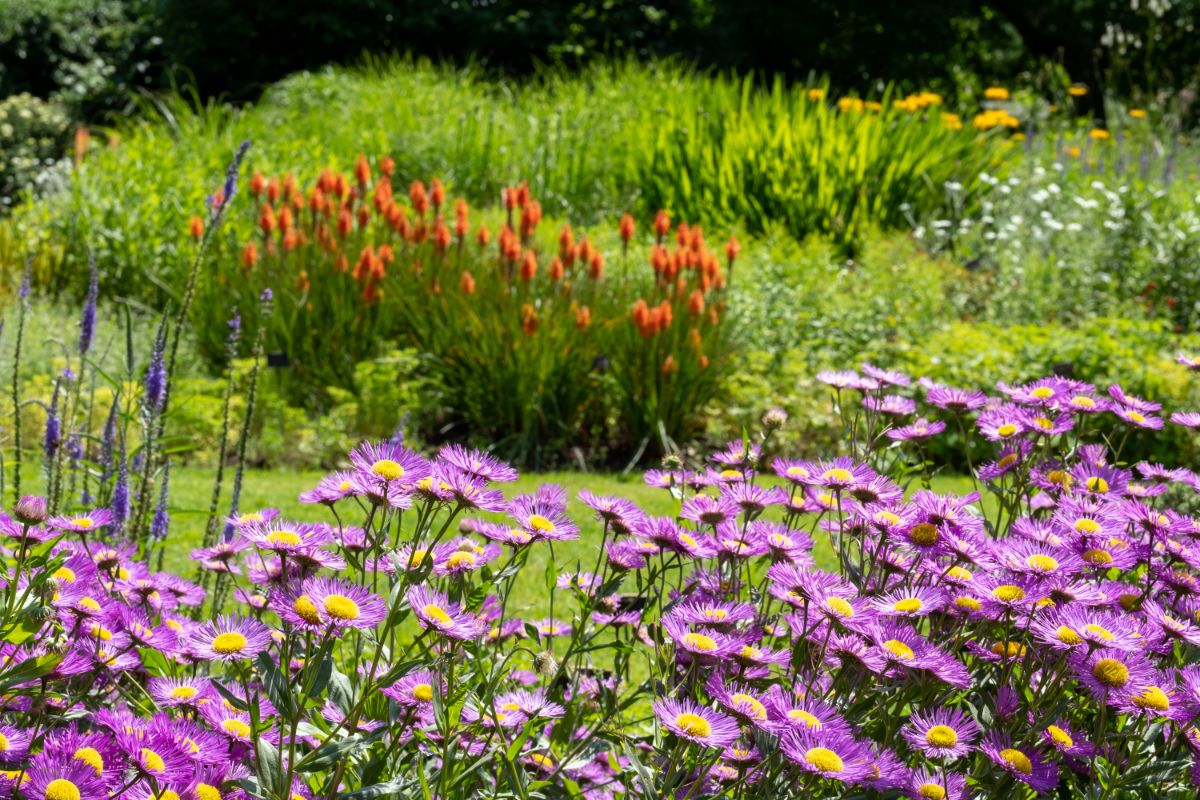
(31, 510)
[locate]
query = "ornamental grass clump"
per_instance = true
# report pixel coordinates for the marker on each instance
(535, 343)
(790, 628)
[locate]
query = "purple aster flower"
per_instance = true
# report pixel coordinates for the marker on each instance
(1107, 671)
(1131, 401)
(415, 690)
(949, 398)
(477, 463)
(840, 473)
(834, 756)
(30, 509)
(230, 638)
(892, 404)
(941, 733)
(847, 379)
(921, 429)
(888, 377)
(1138, 419)
(1068, 741)
(55, 778)
(434, 611)
(704, 643)
(1003, 423)
(695, 722)
(739, 699)
(1188, 419)
(386, 462)
(287, 536)
(619, 514)
(1025, 764)
(86, 522)
(172, 692)
(711, 612)
(913, 601)
(342, 605)
(531, 703)
(1043, 392)
(705, 510)
(929, 785)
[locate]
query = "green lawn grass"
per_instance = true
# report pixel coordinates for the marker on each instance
(191, 489)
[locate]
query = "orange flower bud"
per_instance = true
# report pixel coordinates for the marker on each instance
(345, 222)
(289, 186)
(249, 255)
(362, 170)
(387, 166)
(556, 268)
(529, 319)
(483, 236)
(626, 228)
(196, 227)
(467, 282)
(416, 194)
(386, 255)
(364, 217)
(662, 224)
(273, 190)
(703, 361)
(596, 267)
(441, 235)
(583, 318)
(285, 220)
(732, 248)
(290, 241)
(566, 241)
(696, 303)
(257, 182)
(528, 266)
(342, 263)
(302, 282)
(437, 193)
(669, 365)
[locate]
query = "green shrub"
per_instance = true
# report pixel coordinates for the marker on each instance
(33, 138)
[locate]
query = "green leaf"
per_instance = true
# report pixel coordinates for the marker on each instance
(29, 670)
(392, 787)
(277, 687)
(268, 763)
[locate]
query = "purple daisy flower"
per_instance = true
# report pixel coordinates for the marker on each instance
(703, 643)
(1106, 672)
(619, 514)
(230, 638)
(434, 611)
(916, 601)
(941, 733)
(87, 522)
(890, 404)
(953, 399)
(477, 463)
(286, 536)
(1003, 423)
(388, 462)
(1023, 763)
(331, 488)
(831, 755)
(415, 690)
(1066, 740)
(741, 700)
(1188, 419)
(888, 377)
(695, 722)
(176, 692)
(342, 605)
(53, 778)
(920, 429)
(928, 785)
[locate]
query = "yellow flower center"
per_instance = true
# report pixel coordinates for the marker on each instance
(968, 602)
(152, 761)
(89, 604)
(941, 736)
(924, 534)
(1068, 636)
(1060, 737)
(694, 725)
(341, 607)
(698, 641)
(887, 518)
(306, 609)
(688, 540)
(823, 759)
(960, 574)
(64, 574)
(236, 727)
(1097, 557)
(1042, 563)
(183, 692)
(837, 474)
(1111, 673)
(541, 759)
(62, 789)
(387, 469)
(460, 558)
(899, 650)
(1017, 760)
(808, 719)
(1083, 401)
(932, 791)
(1007, 593)
(797, 472)
(91, 756)
(715, 614)
(1098, 630)
(1059, 477)
(541, 524)
(290, 538)
(1006, 430)
(1097, 485)
(206, 791)
(749, 705)
(729, 474)
(437, 614)
(908, 605)
(1136, 417)
(1042, 392)
(83, 522)
(100, 632)
(1153, 698)
(228, 643)
(253, 516)
(1007, 461)
(1008, 649)
(423, 693)
(839, 606)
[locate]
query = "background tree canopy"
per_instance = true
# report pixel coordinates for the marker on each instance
(82, 49)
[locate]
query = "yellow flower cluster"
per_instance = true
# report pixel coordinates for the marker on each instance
(953, 121)
(995, 118)
(918, 102)
(995, 93)
(858, 104)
